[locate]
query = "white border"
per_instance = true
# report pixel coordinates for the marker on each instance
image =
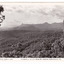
(31, 0)
(28, 61)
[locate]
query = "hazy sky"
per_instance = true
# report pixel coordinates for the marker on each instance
(32, 13)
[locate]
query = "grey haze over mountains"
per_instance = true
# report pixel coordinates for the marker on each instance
(42, 27)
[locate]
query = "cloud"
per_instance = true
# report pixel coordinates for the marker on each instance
(58, 11)
(33, 14)
(19, 11)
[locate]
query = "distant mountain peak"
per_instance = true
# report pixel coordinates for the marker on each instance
(46, 23)
(42, 27)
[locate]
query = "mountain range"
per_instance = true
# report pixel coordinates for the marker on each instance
(42, 27)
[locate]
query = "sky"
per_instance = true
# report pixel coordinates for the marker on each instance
(32, 13)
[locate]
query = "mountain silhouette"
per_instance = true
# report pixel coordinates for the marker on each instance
(42, 27)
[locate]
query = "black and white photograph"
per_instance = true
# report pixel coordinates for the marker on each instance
(32, 30)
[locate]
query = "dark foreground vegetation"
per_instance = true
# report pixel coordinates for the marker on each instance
(33, 44)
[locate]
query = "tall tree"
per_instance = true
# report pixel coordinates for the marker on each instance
(1, 9)
(2, 17)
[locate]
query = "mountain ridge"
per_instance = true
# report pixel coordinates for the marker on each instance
(42, 27)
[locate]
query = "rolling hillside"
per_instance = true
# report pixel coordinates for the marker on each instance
(33, 41)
